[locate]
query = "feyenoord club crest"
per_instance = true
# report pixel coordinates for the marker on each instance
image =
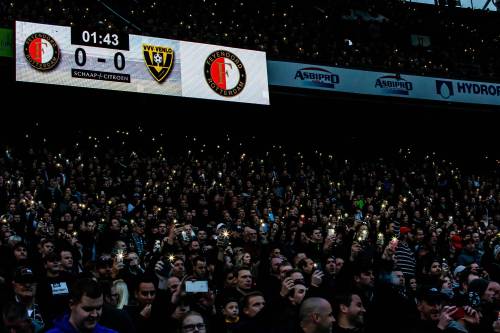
(41, 51)
(225, 73)
(159, 60)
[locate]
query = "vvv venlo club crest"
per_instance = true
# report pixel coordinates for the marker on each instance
(159, 60)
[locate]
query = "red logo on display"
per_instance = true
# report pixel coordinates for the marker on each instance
(41, 51)
(225, 73)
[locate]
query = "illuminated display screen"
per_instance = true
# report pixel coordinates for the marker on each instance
(88, 58)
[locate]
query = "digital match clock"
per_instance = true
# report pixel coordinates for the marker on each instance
(88, 37)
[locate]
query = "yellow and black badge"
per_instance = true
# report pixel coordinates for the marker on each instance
(159, 60)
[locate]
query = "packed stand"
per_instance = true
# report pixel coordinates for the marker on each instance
(393, 35)
(230, 237)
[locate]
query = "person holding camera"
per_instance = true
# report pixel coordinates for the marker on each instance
(292, 294)
(434, 317)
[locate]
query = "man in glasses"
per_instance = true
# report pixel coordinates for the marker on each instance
(193, 322)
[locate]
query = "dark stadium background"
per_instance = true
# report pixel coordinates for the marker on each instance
(355, 126)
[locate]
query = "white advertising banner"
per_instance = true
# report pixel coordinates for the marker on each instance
(299, 75)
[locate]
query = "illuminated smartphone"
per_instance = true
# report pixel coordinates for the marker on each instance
(196, 286)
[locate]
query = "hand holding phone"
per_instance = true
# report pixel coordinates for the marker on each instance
(458, 314)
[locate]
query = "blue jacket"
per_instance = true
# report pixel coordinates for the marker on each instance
(62, 325)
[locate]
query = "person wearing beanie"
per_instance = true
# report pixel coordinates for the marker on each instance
(459, 269)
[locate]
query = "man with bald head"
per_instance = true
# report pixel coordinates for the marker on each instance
(316, 316)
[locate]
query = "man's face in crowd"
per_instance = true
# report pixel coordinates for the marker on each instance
(298, 257)
(309, 267)
(24, 289)
(133, 259)
(139, 228)
(325, 318)
(474, 267)
(21, 253)
(195, 246)
(173, 283)
(244, 279)
(252, 235)
(146, 293)
(434, 238)
(339, 263)
(53, 265)
(283, 270)
(299, 294)
(66, 259)
(200, 270)
(435, 268)
(366, 279)
(330, 266)
(420, 235)
(178, 269)
(297, 276)
(162, 228)
(202, 235)
(231, 280)
(47, 248)
(429, 311)
(114, 296)
(255, 304)
(115, 225)
(275, 264)
(192, 321)
(492, 292)
(105, 268)
(355, 248)
(247, 259)
(316, 235)
(276, 252)
(356, 311)
(398, 278)
(86, 313)
(476, 238)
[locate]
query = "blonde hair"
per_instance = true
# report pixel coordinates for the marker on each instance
(122, 290)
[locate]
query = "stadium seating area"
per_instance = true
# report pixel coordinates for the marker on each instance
(379, 35)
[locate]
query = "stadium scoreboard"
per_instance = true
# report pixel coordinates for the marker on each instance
(92, 58)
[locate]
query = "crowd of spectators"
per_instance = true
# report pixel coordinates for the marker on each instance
(226, 237)
(385, 35)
